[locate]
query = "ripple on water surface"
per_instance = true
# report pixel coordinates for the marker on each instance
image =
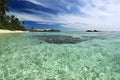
(38, 56)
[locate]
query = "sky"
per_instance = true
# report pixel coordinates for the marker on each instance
(68, 14)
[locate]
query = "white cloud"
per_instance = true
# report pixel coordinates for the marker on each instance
(36, 2)
(26, 17)
(99, 14)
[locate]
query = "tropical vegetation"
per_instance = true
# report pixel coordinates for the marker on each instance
(7, 21)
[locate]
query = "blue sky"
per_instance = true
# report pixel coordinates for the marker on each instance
(68, 14)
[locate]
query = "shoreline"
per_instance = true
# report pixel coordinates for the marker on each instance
(9, 31)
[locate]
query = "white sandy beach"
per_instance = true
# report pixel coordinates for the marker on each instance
(8, 31)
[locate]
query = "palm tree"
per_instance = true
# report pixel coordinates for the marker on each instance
(16, 23)
(23, 22)
(3, 9)
(9, 22)
(7, 19)
(12, 19)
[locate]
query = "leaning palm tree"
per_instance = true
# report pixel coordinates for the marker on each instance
(9, 22)
(16, 23)
(12, 19)
(23, 22)
(3, 9)
(7, 19)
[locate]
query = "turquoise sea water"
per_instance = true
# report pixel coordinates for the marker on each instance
(33, 56)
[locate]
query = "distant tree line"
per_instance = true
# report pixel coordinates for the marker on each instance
(6, 21)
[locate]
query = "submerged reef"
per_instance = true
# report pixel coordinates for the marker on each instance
(58, 39)
(64, 39)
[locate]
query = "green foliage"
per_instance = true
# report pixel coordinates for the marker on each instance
(6, 21)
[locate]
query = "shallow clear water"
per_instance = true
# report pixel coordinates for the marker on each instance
(25, 56)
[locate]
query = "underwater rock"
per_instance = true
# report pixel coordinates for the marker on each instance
(64, 39)
(59, 39)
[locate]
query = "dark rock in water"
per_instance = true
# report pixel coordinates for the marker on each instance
(89, 31)
(63, 39)
(93, 31)
(59, 39)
